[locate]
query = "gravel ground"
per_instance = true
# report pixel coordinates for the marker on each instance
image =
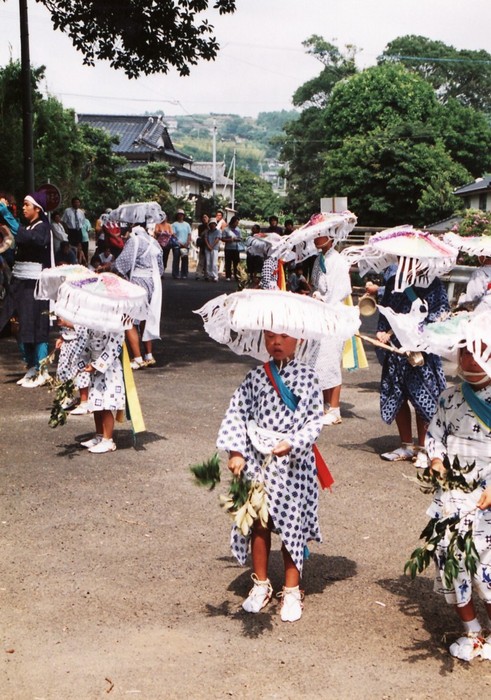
(117, 579)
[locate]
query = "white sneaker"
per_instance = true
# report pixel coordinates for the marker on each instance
(40, 379)
(103, 445)
(259, 595)
(404, 453)
(81, 410)
(93, 441)
(291, 604)
(421, 460)
(332, 417)
(137, 364)
(30, 374)
(467, 647)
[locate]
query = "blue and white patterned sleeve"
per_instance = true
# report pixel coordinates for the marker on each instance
(308, 416)
(232, 435)
(110, 353)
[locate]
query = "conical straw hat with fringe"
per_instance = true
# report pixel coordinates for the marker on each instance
(420, 256)
(52, 278)
(301, 241)
(472, 245)
(240, 319)
(104, 303)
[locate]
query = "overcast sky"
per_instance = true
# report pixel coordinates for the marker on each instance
(261, 61)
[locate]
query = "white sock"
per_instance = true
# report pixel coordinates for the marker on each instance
(138, 359)
(336, 411)
(472, 626)
(149, 356)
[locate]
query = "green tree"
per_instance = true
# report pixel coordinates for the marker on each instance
(254, 197)
(139, 36)
(316, 92)
(385, 141)
(460, 74)
(77, 159)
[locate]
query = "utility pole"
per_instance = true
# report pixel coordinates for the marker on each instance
(214, 168)
(233, 181)
(27, 139)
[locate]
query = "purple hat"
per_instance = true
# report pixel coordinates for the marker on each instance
(38, 199)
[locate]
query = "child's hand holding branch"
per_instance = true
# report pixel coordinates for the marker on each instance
(236, 463)
(282, 448)
(485, 500)
(437, 467)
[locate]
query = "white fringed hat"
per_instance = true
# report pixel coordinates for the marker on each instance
(239, 320)
(104, 303)
(445, 337)
(472, 245)
(138, 213)
(301, 241)
(420, 256)
(52, 278)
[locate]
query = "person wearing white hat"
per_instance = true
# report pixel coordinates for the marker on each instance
(272, 423)
(458, 443)
(414, 291)
(479, 285)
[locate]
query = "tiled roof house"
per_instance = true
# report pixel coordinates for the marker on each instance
(142, 140)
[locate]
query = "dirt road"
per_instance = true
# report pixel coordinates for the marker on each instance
(117, 580)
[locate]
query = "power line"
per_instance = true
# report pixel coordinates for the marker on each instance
(431, 59)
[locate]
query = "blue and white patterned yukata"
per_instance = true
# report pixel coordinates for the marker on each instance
(421, 386)
(455, 430)
(290, 481)
(102, 350)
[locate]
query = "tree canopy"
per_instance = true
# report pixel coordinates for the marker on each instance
(315, 92)
(385, 140)
(460, 74)
(140, 36)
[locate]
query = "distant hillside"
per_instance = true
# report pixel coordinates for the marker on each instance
(257, 142)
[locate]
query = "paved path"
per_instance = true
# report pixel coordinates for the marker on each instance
(117, 580)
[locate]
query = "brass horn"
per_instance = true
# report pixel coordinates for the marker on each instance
(367, 305)
(6, 238)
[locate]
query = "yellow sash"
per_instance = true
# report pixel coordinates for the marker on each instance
(354, 356)
(133, 407)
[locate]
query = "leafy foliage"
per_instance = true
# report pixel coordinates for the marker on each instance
(77, 159)
(455, 530)
(254, 197)
(385, 141)
(207, 473)
(463, 75)
(474, 223)
(316, 92)
(138, 36)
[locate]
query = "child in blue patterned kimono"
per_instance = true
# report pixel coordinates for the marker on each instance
(461, 427)
(272, 443)
(100, 359)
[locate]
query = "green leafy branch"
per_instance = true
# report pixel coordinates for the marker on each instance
(453, 477)
(460, 549)
(208, 474)
(63, 395)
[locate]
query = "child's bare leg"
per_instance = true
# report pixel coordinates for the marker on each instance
(422, 427)
(84, 394)
(133, 340)
(292, 575)
(332, 396)
(98, 422)
(403, 422)
(260, 548)
(107, 423)
(467, 613)
(261, 592)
